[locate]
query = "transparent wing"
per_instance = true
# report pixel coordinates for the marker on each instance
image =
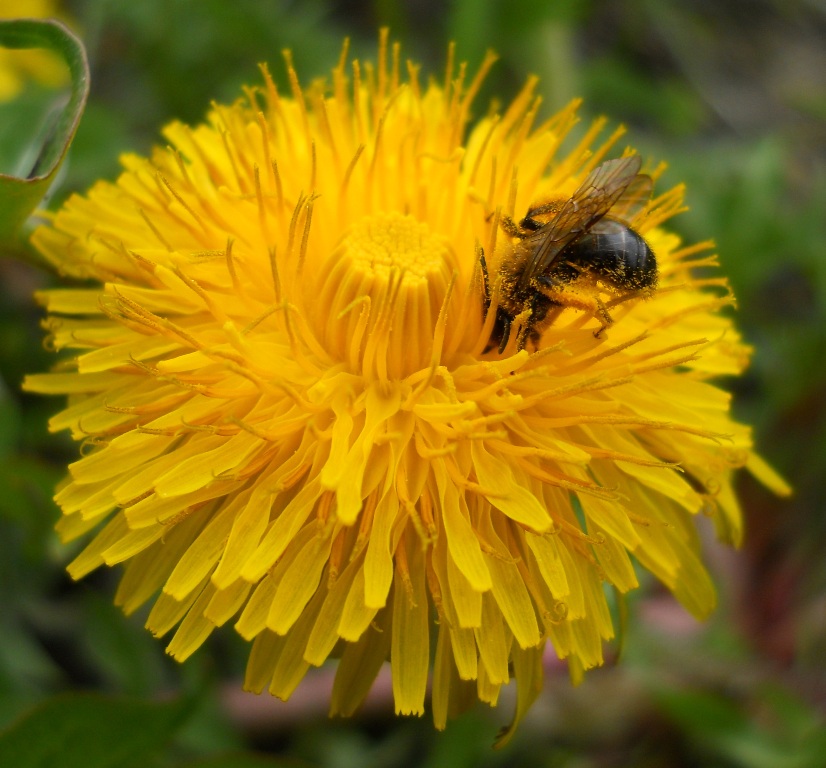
(604, 186)
(633, 199)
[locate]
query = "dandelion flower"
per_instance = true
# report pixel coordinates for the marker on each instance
(294, 421)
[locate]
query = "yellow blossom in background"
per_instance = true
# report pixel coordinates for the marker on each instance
(19, 66)
(293, 420)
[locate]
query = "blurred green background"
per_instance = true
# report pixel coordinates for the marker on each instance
(733, 96)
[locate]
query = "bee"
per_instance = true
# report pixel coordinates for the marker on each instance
(584, 242)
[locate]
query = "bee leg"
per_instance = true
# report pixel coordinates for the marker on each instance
(603, 316)
(485, 277)
(546, 284)
(561, 299)
(510, 227)
(529, 334)
(501, 322)
(506, 330)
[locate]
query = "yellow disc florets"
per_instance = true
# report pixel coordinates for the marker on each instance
(386, 284)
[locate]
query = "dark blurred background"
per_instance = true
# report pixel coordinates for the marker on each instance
(733, 96)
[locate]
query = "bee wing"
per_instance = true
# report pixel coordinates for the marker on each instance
(633, 199)
(591, 201)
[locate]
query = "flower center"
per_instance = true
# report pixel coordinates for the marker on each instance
(381, 298)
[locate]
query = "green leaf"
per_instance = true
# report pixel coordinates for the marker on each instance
(775, 732)
(19, 196)
(245, 760)
(91, 731)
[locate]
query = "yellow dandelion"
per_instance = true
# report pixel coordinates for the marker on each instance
(296, 420)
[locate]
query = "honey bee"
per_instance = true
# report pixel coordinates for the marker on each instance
(584, 243)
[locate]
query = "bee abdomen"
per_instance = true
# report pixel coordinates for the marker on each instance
(616, 252)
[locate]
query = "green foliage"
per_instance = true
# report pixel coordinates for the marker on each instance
(243, 760)
(91, 731)
(785, 734)
(19, 195)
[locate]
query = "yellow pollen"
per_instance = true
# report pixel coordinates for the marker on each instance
(379, 302)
